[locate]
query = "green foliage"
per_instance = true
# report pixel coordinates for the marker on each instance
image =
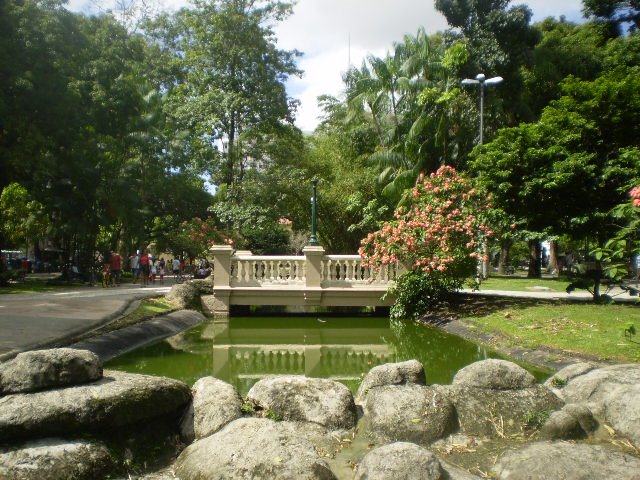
(22, 218)
(417, 292)
(266, 239)
(617, 13)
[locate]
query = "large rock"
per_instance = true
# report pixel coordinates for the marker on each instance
(215, 403)
(54, 459)
(42, 369)
(399, 373)
(116, 400)
(495, 375)
(184, 295)
(399, 461)
(573, 421)
(568, 461)
(612, 393)
(252, 448)
(495, 413)
(409, 413)
(297, 398)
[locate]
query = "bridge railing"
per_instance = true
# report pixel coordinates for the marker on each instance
(313, 269)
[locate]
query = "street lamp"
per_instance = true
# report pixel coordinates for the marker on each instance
(313, 241)
(481, 81)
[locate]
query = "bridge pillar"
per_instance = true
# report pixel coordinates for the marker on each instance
(313, 259)
(220, 303)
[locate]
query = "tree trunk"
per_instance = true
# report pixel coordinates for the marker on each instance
(535, 270)
(503, 262)
(553, 258)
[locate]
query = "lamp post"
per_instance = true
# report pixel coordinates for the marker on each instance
(481, 81)
(313, 241)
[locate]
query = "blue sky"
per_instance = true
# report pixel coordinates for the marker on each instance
(330, 32)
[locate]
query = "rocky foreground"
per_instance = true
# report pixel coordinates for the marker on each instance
(62, 417)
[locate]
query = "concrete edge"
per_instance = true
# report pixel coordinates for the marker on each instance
(124, 340)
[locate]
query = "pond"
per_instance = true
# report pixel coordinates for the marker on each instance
(337, 347)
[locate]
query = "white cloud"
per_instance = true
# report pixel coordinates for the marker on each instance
(324, 29)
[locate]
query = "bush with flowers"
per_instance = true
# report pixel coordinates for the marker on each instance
(196, 236)
(436, 233)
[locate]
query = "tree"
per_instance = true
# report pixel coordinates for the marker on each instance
(500, 40)
(616, 13)
(436, 234)
(24, 220)
(580, 156)
(228, 89)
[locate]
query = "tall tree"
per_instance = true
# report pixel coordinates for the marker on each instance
(621, 15)
(230, 85)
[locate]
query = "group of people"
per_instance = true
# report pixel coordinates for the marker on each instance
(145, 268)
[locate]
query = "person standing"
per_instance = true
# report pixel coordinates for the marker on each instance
(134, 263)
(161, 267)
(115, 260)
(154, 270)
(176, 266)
(144, 268)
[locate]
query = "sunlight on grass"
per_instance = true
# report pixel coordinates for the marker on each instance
(522, 284)
(597, 330)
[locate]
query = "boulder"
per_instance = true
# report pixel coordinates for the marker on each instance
(399, 373)
(42, 369)
(573, 421)
(452, 472)
(204, 285)
(399, 461)
(297, 398)
(116, 400)
(568, 461)
(184, 295)
(215, 403)
(54, 458)
(562, 426)
(495, 375)
(252, 448)
(612, 394)
(495, 413)
(409, 413)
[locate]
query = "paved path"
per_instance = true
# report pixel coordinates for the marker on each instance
(30, 321)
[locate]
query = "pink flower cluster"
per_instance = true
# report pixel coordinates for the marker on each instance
(440, 231)
(635, 196)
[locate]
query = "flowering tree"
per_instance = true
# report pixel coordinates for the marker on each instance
(197, 235)
(437, 234)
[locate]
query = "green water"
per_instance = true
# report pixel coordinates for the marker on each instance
(341, 348)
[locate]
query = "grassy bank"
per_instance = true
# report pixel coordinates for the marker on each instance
(523, 284)
(588, 329)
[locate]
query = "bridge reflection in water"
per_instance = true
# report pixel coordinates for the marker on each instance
(343, 348)
(254, 349)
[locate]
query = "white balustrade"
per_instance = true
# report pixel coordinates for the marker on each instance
(256, 270)
(346, 271)
(350, 271)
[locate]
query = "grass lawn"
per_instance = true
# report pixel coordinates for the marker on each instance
(597, 330)
(523, 284)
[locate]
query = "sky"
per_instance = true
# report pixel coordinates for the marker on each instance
(330, 33)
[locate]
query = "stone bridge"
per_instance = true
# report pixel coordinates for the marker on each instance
(311, 279)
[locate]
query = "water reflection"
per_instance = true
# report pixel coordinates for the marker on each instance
(248, 349)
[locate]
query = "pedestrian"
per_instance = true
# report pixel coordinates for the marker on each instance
(144, 268)
(134, 263)
(175, 263)
(115, 260)
(161, 267)
(154, 270)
